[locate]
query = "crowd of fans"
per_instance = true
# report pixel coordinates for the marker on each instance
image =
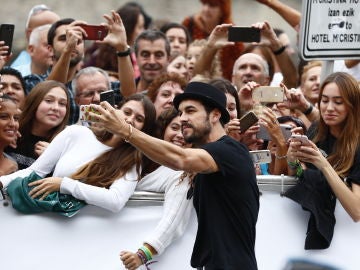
(147, 65)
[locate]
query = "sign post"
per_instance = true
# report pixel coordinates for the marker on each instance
(330, 29)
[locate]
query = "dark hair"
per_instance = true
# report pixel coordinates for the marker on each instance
(13, 72)
(226, 86)
(166, 27)
(100, 172)
(152, 35)
(147, 18)
(297, 121)
(164, 120)
(129, 15)
(54, 26)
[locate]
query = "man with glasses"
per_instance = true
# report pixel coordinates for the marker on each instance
(88, 84)
(39, 15)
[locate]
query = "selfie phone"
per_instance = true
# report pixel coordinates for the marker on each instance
(260, 156)
(84, 113)
(244, 34)
(94, 32)
(302, 138)
(108, 96)
(264, 134)
(7, 34)
(268, 94)
(247, 120)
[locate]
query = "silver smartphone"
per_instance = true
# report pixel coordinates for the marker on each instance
(264, 134)
(302, 138)
(261, 156)
(268, 94)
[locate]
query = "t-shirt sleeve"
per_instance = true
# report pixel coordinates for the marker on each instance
(354, 175)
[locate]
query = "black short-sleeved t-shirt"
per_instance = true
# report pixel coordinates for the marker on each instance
(227, 206)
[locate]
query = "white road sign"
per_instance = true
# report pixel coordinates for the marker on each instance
(330, 29)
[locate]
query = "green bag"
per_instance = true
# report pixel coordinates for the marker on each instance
(18, 191)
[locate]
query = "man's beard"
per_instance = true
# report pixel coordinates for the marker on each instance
(199, 135)
(73, 61)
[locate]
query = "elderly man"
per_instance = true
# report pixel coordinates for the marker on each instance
(226, 196)
(40, 54)
(87, 85)
(38, 15)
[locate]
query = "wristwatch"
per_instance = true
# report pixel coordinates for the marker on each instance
(124, 53)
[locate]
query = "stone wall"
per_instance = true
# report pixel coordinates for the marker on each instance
(245, 12)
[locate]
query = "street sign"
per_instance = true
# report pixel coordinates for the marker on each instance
(330, 29)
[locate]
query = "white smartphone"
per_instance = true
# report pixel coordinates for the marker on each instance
(302, 138)
(268, 94)
(261, 156)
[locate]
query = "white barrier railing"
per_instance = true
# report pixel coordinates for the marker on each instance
(94, 237)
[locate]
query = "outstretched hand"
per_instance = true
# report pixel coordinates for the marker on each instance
(110, 119)
(219, 36)
(116, 36)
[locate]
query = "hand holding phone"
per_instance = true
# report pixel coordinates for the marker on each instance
(6, 35)
(268, 94)
(247, 120)
(94, 32)
(301, 138)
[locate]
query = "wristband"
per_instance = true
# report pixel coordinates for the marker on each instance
(124, 53)
(309, 110)
(147, 252)
(280, 51)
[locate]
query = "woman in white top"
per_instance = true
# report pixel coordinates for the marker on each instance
(97, 162)
(175, 184)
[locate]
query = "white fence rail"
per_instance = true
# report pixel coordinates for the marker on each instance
(94, 237)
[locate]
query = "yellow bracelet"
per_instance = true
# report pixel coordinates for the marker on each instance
(130, 133)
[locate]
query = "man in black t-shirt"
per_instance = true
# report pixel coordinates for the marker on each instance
(226, 196)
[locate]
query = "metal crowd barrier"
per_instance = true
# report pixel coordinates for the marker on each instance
(275, 183)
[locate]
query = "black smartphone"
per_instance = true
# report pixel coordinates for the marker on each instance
(94, 32)
(247, 121)
(7, 35)
(244, 34)
(108, 96)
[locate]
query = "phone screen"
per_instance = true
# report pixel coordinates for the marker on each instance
(244, 34)
(7, 34)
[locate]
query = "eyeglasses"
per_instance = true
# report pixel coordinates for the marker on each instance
(91, 93)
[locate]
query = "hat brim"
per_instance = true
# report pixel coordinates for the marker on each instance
(225, 116)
